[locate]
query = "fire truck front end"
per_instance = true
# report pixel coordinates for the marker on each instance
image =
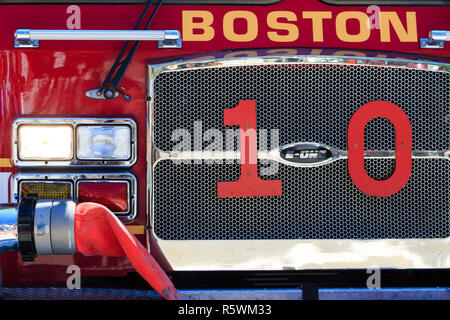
(266, 148)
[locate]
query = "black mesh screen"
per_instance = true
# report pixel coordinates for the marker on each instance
(317, 203)
(307, 103)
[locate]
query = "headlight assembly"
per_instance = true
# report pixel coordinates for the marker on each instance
(74, 142)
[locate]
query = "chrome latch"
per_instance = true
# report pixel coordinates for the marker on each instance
(435, 39)
(98, 94)
(172, 40)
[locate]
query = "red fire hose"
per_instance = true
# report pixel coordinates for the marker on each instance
(99, 232)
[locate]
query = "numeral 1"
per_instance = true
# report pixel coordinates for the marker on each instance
(248, 184)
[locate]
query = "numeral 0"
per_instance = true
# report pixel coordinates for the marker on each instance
(403, 161)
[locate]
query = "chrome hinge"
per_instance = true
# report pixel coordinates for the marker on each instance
(435, 39)
(26, 38)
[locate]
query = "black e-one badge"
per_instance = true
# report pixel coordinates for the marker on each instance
(305, 154)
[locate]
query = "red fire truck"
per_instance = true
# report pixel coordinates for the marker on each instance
(302, 148)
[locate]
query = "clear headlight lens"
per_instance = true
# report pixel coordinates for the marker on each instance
(107, 142)
(45, 142)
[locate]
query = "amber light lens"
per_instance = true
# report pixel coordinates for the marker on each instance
(47, 189)
(113, 195)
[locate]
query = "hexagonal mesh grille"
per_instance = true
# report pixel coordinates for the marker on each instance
(307, 103)
(317, 203)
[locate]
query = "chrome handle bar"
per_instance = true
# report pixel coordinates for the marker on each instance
(26, 38)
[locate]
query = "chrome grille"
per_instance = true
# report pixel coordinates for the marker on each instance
(317, 203)
(307, 103)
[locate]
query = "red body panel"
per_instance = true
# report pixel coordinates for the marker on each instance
(52, 80)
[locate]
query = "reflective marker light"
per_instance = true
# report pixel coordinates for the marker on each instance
(103, 142)
(47, 189)
(111, 194)
(117, 191)
(45, 142)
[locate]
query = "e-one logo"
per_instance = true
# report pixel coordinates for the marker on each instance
(306, 154)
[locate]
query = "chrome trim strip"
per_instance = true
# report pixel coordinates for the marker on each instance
(152, 156)
(305, 254)
(274, 155)
(75, 162)
(290, 254)
(75, 178)
(157, 69)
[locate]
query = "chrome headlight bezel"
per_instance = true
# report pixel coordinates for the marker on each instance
(75, 122)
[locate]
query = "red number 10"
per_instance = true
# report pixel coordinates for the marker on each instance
(250, 185)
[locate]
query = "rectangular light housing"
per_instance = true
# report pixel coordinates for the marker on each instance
(116, 191)
(57, 142)
(112, 194)
(107, 142)
(47, 189)
(45, 142)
